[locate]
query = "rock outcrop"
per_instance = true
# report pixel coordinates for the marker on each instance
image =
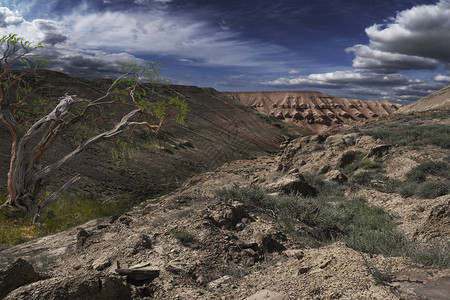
(314, 111)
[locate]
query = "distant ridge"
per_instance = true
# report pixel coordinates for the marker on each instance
(314, 111)
(439, 100)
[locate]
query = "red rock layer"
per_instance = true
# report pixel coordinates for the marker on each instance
(314, 111)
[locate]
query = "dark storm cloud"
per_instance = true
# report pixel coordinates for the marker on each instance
(51, 31)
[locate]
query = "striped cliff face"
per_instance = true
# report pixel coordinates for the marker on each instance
(314, 111)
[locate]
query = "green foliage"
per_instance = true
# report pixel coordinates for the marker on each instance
(437, 255)
(74, 210)
(184, 236)
(433, 189)
(412, 134)
(436, 168)
(363, 227)
(366, 177)
(407, 189)
(68, 212)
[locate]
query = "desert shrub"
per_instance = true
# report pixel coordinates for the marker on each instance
(251, 195)
(389, 186)
(407, 189)
(361, 162)
(437, 255)
(381, 276)
(412, 135)
(184, 236)
(436, 168)
(366, 177)
(433, 189)
(361, 226)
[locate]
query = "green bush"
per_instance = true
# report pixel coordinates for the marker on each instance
(407, 189)
(362, 227)
(65, 213)
(436, 168)
(184, 236)
(433, 189)
(438, 255)
(412, 135)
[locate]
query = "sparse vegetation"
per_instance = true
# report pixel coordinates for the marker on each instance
(381, 276)
(184, 236)
(417, 182)
(362, 227)
(437, 255)
(436, 168)
(412, 135)
(16, 227)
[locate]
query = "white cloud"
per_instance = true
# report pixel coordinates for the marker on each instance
(294, 72)
(9, 18)
(442, 78)
(387, 62)
(422, 31)
(159, 32)
(339, 79)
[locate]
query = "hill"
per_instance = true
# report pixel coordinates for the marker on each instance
(356, 213)
(439, 100)
(216, 130)
(314, 111)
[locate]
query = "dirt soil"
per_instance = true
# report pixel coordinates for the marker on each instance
(234, 252)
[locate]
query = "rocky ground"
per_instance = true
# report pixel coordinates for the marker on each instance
(194, 245)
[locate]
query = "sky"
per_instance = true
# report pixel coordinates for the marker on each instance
(395, 50)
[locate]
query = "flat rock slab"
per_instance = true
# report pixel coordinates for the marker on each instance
(267, 295)
(141, 272)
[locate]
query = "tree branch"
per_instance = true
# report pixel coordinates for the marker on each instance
(110, 133)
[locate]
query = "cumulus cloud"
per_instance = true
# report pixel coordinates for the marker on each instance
(159, 32)
(442, 78)
(416, 39)
(8, 18)
(387, 62)
(422, 31)
(294, 71)
(339, 79)
(362, 85)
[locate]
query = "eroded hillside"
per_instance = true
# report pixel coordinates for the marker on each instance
(216, 130)
(355, 214)
(314, 111)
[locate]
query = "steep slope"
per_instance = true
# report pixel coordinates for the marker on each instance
(313, 111)
(439, 100)
(216, 130)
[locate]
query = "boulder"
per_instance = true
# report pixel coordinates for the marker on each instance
(379, 151)
(292, 184)
(337, 176)
(19, 273)
(346, 158)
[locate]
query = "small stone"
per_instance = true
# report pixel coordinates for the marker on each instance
(296, 253)
(101, 263)
(267, 295)
(218, 282)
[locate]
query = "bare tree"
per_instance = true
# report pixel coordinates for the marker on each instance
(35, 124)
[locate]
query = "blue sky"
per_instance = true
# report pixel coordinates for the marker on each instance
(396, 50)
